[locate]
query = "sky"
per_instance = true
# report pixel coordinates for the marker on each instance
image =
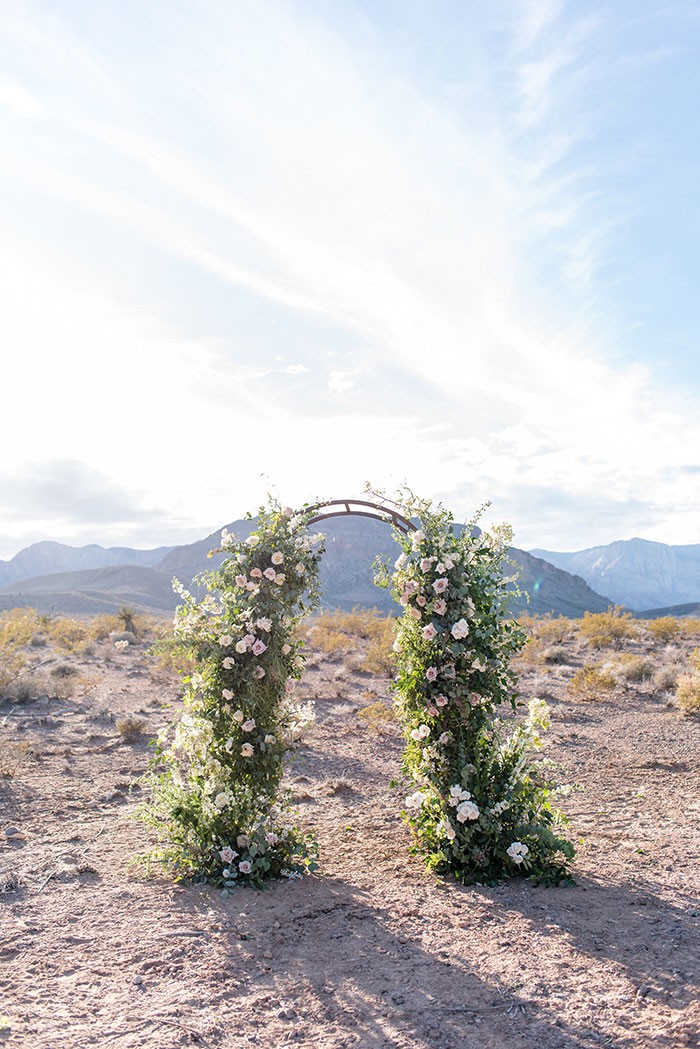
(291, 247)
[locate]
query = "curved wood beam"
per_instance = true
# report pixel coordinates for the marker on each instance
(374, 510)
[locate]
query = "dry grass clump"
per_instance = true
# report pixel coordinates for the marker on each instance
(591, 681)
(632, 668)
(378, 714)
(12, 756)
(607, 629)
(665, 678)
(130, 728)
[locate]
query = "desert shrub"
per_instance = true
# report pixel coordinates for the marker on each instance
(64, 670)
(17, 628)
(332, 642)
(607, 629)
(688, 693)
(633, 668)
(591, 680)
(665, 628)
(554, 629)
(665, 678)
(100, 627)
(381, 657)
(68, 633)
(130, 728)
(12, 756)
(377, 714)
(690, 626)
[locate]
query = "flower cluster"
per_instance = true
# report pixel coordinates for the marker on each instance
(481, 810)
(215, 780)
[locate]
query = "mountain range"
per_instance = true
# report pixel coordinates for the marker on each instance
(641, 575)
(637, 573)
(53, 577)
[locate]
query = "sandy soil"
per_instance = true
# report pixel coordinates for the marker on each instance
(372, 951)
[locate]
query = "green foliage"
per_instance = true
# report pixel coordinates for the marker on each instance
(215, 781)
(482, 809)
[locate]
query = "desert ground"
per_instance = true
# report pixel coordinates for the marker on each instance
(372, 950)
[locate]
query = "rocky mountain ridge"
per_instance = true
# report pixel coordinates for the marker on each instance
(637, 573)
(346, 575)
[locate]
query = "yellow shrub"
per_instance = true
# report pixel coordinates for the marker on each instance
(607, 629)
(380, 657)
(102, 626)
(17, 627)
(664, 628)
(688, 693)
(340, 631)
(591, 680)
(68, 633)
(553, 629)
(377, 714)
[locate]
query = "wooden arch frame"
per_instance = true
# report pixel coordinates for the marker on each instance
(346, 508)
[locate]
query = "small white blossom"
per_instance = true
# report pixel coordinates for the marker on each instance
(246, 751)
(467, 810)
(415, 800)
(517, 851)
(460, 629)
(422, 732)
(228, 663)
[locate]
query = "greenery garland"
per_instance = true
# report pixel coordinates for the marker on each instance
(215, 799)
(482, 805)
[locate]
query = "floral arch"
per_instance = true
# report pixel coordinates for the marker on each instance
(479, 804)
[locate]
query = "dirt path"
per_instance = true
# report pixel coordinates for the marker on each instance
(373, 952)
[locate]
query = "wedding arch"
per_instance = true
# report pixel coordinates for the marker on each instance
(479, 803)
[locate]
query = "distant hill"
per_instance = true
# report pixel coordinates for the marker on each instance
(48, 557)
(346, 575)
(636, 572)
(92, 591)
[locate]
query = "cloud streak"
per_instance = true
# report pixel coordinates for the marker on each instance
(426, 253)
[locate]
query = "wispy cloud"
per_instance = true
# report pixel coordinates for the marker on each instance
(448, 254)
